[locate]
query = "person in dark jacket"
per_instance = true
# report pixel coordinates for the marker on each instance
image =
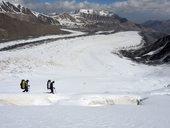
(52, 87)
(27, 86)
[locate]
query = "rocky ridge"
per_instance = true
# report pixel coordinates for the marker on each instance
(154, 53)
(19, 22)
(92, 21)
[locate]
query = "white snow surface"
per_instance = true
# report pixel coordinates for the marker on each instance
(92, 11)
(94, 87)
(87, 11)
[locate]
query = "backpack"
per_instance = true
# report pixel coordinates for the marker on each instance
(23, 84)
(48, 84)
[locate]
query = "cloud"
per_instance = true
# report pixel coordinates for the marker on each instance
(65, 5)
(144, 5)
(141, 10)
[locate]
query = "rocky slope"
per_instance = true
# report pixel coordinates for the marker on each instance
(154, 53)
(91, 20)
(7, 7)
(13, 28)
(161, 26)
(19, 22)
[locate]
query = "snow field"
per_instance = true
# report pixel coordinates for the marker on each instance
(67, 99)
(83, 65)
(95, 88)
(27, 100)
(154, 114)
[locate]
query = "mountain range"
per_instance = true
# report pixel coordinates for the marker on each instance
(161, 26)
(91, 20)
(20, 22)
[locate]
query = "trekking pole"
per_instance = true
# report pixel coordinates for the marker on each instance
(54, 90)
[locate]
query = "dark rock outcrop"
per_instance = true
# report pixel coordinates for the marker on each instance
(154, 53)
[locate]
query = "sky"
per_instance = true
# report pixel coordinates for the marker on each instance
(94, 1)
(134, 10)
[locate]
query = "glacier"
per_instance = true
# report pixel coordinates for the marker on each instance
(95, 88)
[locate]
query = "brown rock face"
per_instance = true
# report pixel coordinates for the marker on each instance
(14, 28)
(18, 22)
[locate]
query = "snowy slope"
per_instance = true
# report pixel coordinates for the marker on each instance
(87, 63)
(96, 12)
(152, 114)
(87, 74)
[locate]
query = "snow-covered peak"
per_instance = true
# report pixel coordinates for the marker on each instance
(87, 11)
(105, 13)
(8, 7)
(96, 12)
(13, 8)
(36, 13)
(2, 5)
(3, 2)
